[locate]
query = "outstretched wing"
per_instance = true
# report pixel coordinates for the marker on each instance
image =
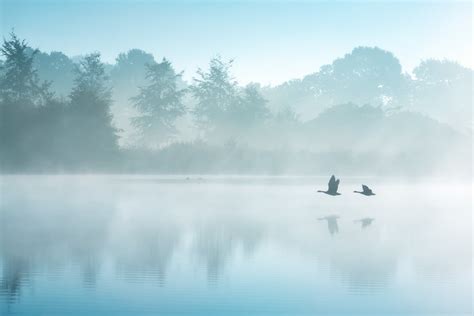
(333, 184)
(366, 189)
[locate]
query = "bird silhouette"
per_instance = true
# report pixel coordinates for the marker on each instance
(366, 221)
(332, 187)
(332, 223)
(365, 191)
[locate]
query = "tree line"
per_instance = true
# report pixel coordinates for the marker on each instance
(61, 115)
(39, 130)
(39, 127)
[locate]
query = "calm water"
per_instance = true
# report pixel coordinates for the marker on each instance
(123, 245)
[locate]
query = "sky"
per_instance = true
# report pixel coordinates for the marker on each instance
(270, 41)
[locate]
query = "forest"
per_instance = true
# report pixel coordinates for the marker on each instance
(361, 114)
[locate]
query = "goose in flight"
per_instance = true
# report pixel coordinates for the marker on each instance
(366, 221)
(332, 223)
(365, 191)
(332, 186)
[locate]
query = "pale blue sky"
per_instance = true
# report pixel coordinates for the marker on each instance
(271, 41)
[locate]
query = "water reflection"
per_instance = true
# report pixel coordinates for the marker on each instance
(331, 220)
(217, 241)
(364, 265)
(365, 222)
(14, 275)
(40, 234)
(130, 236)
(143, 246)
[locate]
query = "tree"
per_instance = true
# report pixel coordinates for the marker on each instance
(365, 76)
(21, 96)
(444, 90)
(215, 92)
(253, 108)
(247, 113)
(224, 110)
(56, 68)
(130, 70)
(160, 103)
(286, 117)
(127, 75)
(20, 83)
(93, 137)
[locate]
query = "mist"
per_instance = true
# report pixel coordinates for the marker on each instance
(92, 243)
(235, 158)
(359, 115)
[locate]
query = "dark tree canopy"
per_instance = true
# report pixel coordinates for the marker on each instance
(22, 99)
(90, 77)
(20, 83)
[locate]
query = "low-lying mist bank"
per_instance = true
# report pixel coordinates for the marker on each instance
(232, 158)
(345, 139)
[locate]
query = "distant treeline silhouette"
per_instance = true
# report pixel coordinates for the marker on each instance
(360, 114)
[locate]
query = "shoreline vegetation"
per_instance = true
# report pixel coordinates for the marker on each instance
(258, 163)
(358, 115)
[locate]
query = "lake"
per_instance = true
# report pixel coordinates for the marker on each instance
(231, 245)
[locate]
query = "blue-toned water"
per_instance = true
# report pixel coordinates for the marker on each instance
(142, 245)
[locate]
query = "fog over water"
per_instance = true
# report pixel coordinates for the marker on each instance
(184, 157)
(213, 245)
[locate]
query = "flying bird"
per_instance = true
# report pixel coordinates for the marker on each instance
(366, 221)
(332, 186)
(365, 191)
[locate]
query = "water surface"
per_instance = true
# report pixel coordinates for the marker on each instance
(144, 245)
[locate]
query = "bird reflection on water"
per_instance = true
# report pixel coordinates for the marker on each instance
(332, 223)
(121, 245)
(365, 222)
